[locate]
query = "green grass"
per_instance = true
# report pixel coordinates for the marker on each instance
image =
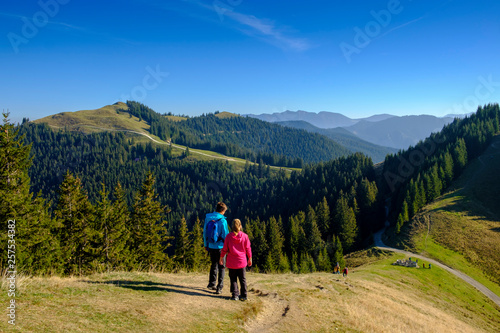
(461, 228)
(376, 296)
(225, 115)
(176, 118)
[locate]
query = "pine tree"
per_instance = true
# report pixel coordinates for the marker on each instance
(399, 223)
(338, 253)
(346, 220)
(196, 258)
(323, 262)
(323, 218)
(74, 214)
(276, 241)
(459, 156)
(149, 232)
(25, 220)
(448, 168)
(182, 245)
(314, 242)
(120, 230)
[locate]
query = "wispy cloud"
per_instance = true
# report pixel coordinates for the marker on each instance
(401, 26)
(268, 29)
(264, 29)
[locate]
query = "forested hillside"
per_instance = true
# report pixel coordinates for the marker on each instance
(417, 176)
(104, 191)
(346, 139)
(244, 137)
(105, 201)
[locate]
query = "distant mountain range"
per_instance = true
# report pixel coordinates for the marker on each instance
(382, 130)
(345, 138)
(322, 119)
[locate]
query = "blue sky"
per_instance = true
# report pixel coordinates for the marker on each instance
(191, 57)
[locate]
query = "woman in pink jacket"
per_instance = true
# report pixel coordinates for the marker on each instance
(237, 248)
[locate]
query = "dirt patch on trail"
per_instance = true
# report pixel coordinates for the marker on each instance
(274, 309)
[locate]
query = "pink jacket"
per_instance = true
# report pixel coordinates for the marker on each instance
(237, 248)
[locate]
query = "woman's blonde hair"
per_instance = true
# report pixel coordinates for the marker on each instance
(236, 225)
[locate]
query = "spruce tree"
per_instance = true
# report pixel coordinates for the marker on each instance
(196, 257)
(149, 232)
(338, 253)
(323, 218)
(314, 242)
(182, 245)
(32, 236)
(346, 220)
(111, 220)
(276, 241)
(75, 216)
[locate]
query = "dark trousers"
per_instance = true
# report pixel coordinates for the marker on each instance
(234, 275)
(216, 268)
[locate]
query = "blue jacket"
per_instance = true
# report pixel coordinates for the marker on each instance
(224, 230)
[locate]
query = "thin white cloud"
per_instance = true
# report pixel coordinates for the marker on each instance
(73, 27)
(269, 30)
(401, 26)
(264, 29)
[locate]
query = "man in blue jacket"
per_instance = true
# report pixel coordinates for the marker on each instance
(214, 247)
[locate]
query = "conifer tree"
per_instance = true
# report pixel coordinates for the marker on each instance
(120, 230)
(323, 262)
(196, 258)
(346, 220)
(448, 168)
(111, 220)
(323, 218)
(314, 242)
(276, 241)
(149, 232)
(75, 216)
(338, 253)
(459, 156)
(182, 245)
(399, 223)
(37, 249)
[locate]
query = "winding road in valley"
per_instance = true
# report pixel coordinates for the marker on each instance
(491, 295)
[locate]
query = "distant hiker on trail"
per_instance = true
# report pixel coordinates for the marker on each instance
(237, 248)
(336, 269)
(344, 273)
(214, 232)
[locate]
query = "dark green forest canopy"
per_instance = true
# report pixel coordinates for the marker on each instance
(243, 137)
(308, 218)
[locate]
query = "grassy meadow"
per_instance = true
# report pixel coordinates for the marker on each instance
(375, 297)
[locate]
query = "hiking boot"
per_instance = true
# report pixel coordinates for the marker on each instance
(218, 291)
(234, 298)
(243, 299)
(211, 287)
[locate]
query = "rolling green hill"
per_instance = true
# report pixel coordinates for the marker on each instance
(110, 117)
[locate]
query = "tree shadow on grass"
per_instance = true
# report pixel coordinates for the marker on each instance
(157, 286)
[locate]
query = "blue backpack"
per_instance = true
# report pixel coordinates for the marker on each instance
(213, 232)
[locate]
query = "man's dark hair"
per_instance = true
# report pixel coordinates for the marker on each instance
(220, 207)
